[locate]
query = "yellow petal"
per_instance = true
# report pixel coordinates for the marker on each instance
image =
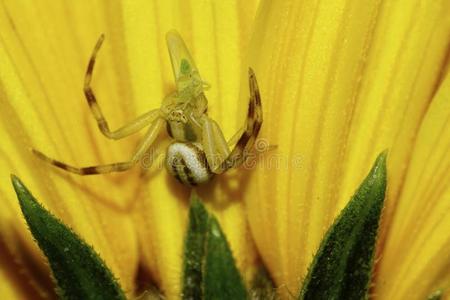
(19, 277)
(340, 82)
(9, 289)
(217, 33)
(43, 54)
(415, 259)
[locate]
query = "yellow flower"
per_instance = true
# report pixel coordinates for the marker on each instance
(341, 81)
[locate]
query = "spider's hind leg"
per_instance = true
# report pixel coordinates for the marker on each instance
(142, 148)
(248, 134)
(92, 170)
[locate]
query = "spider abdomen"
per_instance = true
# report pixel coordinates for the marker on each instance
(187, 163)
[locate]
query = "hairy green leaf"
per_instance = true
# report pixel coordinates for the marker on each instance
(210, 271)
(342, 267)
(194, 250)
(222, 278)
(79, 271)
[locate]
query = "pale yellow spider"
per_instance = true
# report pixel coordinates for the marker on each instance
(200, 149)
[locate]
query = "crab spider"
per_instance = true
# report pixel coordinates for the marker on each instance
(199, 149)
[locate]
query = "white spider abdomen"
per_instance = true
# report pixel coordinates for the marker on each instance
(187, 163)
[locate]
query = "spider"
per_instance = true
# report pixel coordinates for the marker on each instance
(199, 149)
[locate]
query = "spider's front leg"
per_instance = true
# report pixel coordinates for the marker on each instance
(126, 130)
(218, 155)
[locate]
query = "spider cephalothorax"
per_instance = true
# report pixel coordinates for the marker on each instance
(199, 149)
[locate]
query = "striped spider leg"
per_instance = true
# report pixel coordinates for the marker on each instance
(219, 156)
(152, 118)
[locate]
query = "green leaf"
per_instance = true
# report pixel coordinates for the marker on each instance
(79, 271)
(194, 250)
(342, 267)
(210, 271)
(222, 278)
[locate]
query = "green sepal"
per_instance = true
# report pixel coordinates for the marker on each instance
(210, 271)
(222, 278)
(79, 272)
(342, 267)
(194, 250)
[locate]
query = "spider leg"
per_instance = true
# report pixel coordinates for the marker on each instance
(214, 144)
(125, 130)
(251, 129)
(141, 149)
(233, 140)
